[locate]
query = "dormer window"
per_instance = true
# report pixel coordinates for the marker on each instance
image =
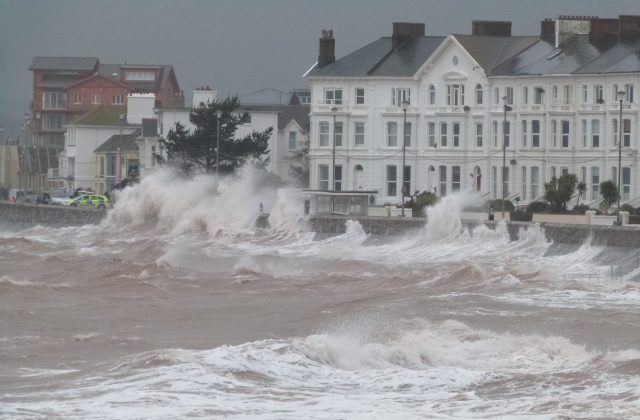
(144, 76)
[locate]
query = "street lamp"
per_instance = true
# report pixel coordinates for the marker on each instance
(334, 111)
(121, 118)
(505, 100)
(403, 190)
(218, 116)
(620, 96)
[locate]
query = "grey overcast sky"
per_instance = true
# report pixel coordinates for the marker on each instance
(235, 46)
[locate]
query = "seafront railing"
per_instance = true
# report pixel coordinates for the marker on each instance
(625, 266)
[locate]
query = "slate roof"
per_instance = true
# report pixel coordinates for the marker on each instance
(108, 115)
(581, 54)
(498, 56)
(286, 113)
(126, 144)
(64, 63)
(491, 51)
(58, 81)
(379, 58)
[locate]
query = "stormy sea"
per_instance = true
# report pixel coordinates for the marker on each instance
(177, 306)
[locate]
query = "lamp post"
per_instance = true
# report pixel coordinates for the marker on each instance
(121, 118)
(21, 156)
(403, 189)
(504, 152)
(620, 96)
(218, 116)
(334, 111)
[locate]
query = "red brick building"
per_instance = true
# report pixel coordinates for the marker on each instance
(67, 87)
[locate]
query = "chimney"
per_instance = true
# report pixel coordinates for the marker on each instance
(629, 27)
(491, 27)
(604, 26)
(548, 31)
(204, 96)
(327, 54)
(139, 106)
(402, 31)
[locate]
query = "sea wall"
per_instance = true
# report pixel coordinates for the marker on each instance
(51, 215)
(623, 236)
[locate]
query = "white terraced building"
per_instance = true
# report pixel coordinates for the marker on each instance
(553, 100)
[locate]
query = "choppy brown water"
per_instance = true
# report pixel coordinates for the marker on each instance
(141, 320)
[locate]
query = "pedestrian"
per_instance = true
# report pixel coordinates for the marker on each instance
(261, 208)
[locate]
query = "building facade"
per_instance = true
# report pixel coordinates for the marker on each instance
(463, 110)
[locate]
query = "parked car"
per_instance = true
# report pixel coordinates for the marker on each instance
(90, 201)
(60, 197)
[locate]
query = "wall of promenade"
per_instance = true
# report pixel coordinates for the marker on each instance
(52, 215)
(623, 236)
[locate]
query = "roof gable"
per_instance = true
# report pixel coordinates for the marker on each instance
(98, 80)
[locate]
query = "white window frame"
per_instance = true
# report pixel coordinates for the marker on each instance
(479, 135)
(358, 131)
(535, 134)
(399, 95)
(332, 96)
(392, 182)
(432, 95)
(595, 134)
(455, 94)
(431, 133)
(598, 94)
(323, 183)
(293, 140)
(338, 128)
(444, 136)
(323, 134)
(479, 94)
(54, 100)
(455, 132)
(535, 181)
(508, 92)
(359, 96)
(392, 134)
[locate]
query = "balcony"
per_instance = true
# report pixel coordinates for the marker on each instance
(453, 109)
(561, 108)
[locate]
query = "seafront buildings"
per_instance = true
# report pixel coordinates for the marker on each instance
(94, 125)
(478, 106)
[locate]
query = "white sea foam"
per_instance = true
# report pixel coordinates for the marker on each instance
(429, 370)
